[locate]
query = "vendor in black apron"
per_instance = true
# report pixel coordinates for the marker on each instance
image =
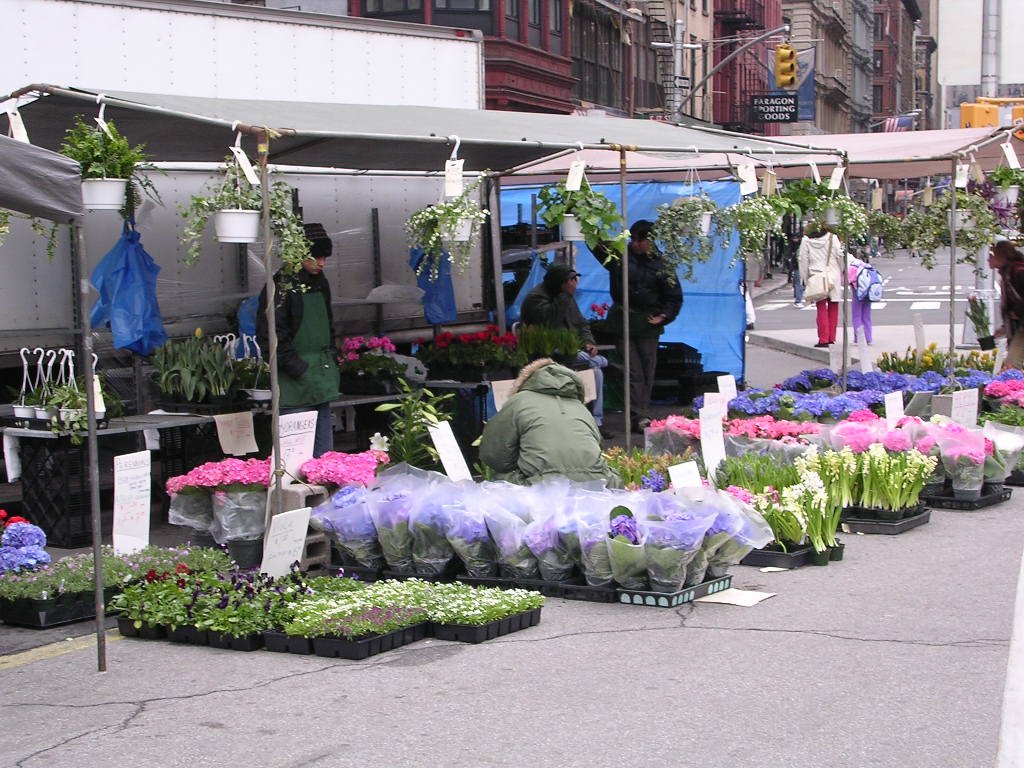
(306, 351)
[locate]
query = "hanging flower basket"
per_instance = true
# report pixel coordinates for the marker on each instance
(572, 229)
(681, 232)
(1007, 196)
(104, 194)
(236, 225)
(463, 231)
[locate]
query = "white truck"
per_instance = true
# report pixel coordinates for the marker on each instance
(231, 51)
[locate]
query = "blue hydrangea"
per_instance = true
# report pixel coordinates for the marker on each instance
(973, 379)
(18, 558)
(822, 377)
(799, 383)
(23, 535)
(653, 480)
(1011, 374)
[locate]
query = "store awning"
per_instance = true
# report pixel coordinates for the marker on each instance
(37, 182)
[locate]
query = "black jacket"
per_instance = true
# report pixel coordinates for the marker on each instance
(288, 318)
(557, 311)
(653, 290)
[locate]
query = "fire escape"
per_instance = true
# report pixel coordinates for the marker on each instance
(743, 76)
(659, 27)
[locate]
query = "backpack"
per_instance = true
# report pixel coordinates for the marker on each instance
(868, 284)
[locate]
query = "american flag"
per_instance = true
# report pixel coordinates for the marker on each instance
(899, 123)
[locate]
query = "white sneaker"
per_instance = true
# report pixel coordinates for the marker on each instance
(799, 304)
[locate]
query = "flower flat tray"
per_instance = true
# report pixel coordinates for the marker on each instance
(247, 643)
(795, 558)
(881, 515)
(478, 633)
(1015, 478)
(281, 642)
(673, 599)
(501, 582)
(946, 500)
(127, 628)
(364, 648)
(188, 636)
(891, 527)
(40, 614)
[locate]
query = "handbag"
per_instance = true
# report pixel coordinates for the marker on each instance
(819, 284)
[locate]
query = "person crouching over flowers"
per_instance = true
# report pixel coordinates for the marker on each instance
(545, 430)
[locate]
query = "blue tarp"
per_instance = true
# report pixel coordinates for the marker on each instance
(438, 295)
(126, 281)
(713, 318)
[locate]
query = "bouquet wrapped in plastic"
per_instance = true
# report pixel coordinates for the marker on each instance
(745, 528)
(429, 520)
(591, 515)
(239, 515)
(674, 532)
(467, 533)
(626, 550)
(191, 507)
(508, 531)
(963, 458)
(1002, 451)
(552, 553)
(345, 518)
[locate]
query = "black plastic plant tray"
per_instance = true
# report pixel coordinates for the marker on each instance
(549, 588)
(226, 642)
(882, 515)
(188, 636)
(501, 582)
(795, 558)
(364, 648)
(281, 642)
(1015, 478)
(673, 599)
(40, 614)
(891, 527)
(946, 500)
(127, 628)
(478, 633)
(398, 576)
(590, 593)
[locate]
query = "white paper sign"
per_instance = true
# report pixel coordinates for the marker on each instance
(102, 124)
(297, 433)
(1010, 155)
(769, 183)
(965, 407)
(453, 185)
(97, 393)
(243, 163)
(835, 180)
(16, 127)
(864, 355)
(918, 337)
(960, 180)
(284, 542)
(712, 442)
(685, 475)
(12, 457)
(727, 386)
(928, 196)
(748, 178)
(877, 196)
(815, 173)
(893, 409)
(449, 452)
(717, 402)
(574, 179)
(589, 384)
(132, 480)
(235, 433)
(501, 390)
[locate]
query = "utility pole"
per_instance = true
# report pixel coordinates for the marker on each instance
(674, 96)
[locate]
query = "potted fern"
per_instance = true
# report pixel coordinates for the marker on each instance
(110, 166)
(449, 228)
(929, 230)
(681, 232)
(599, 219)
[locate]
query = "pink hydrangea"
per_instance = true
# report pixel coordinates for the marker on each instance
(963, 454)
(896, 441)
(215, 474)
(926, 444)
(741, 493)
(769, 428)
(335, 468)
(678, 424)
(863, 414)
(1006, 388)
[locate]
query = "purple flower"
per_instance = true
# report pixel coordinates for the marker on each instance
(23, 535)
(625, 526)
(653, 480)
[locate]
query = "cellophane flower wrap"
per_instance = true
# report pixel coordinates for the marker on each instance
(543, 539)
(591, 515)
(963, 456)
(626, 548)
(673, 535)
(390, 505)
(429, 520)
(191, 496)
(1002, 451)
(673, 434)
(744, 528)
(506, 521)
(336, 468)
(469, 537)
(346, 520)
(766, 435)
(22, 546)
(240, 500)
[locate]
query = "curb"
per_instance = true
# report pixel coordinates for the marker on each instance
(789, 347)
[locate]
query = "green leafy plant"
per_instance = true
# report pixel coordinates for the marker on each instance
(42, 228)
(1004, 176)
(977, 313)
(193, 368)
(435, 230)
(851, 218)
(543, 341)
(234, 191)
(756, 473)
(886, 227)
(680, 235)
(411, 417)
(755, 218)
(804, 194)
(929, 230)
(251, 373)
(599, 218)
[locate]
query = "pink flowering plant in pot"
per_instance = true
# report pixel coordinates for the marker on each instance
(368, 359)
(238, 501)
(335, 468)
(963, 457)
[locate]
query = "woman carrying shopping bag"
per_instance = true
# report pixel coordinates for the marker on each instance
(820, 257)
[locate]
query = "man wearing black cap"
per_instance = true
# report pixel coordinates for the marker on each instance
(655, 299)
(553, 303)
(306, 353)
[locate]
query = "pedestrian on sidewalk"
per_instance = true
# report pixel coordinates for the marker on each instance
(1009, 262)
(860, 302)
(794, 234)
(820, 256)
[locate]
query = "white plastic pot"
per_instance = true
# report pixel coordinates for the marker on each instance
(24, 411)
(236, 226)
(104, 194)
(463, 231)
(572, 229)
(705, 222)
(831, 217)
(45, 412)
(1008, 196)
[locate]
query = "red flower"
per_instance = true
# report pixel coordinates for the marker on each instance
(181, 583)
(181, 568)
(16, 519)
(151, 575)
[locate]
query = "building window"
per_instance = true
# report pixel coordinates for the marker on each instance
(876, 99)
(879, 26)
(555, 14)
(535, 13)
(879, 62)
(393, 6)
(463, 5)
(512, 9)
(704, 7)
(597, 59)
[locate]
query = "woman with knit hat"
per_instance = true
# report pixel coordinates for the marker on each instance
(306, 354)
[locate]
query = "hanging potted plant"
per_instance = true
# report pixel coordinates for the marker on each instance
(841, 215)
(805, 195)
(110, 166)
(599, 219)
(234, 196)
(886, 228)
(451, 227)
(929, 230)
(1007, 182)
(681, 232)
(755, 218)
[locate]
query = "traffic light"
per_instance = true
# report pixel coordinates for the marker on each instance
(785, 66)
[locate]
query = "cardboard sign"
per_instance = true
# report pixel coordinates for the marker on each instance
(748, 178)
(717, 402)
(132, 480)
(965, 407)
(16, 127)
(893, 409)
(574, 179)
(685, 475)
(815, 173)
(877, 197)
(727, 386)
(928, 196)
(449, 452)
(501, 390)
(453, 185)
(285, 541)
(712, 441)
(235, 433)
(769, 183)
(1010, 155)
(297, 433)
(960, 181)
(836, 179)
(246, 167)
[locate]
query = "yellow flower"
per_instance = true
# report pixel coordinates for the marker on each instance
(199, 333)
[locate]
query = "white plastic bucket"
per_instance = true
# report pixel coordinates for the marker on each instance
(236, 226)
(572, 229)
(103, 194)
(1008, 196)
(463, 231)
(705, 222)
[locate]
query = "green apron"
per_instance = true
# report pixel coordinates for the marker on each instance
(312, 342)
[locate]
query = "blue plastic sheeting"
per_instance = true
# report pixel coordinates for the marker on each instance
(713, 318)
(438, 295)
(532, 279)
